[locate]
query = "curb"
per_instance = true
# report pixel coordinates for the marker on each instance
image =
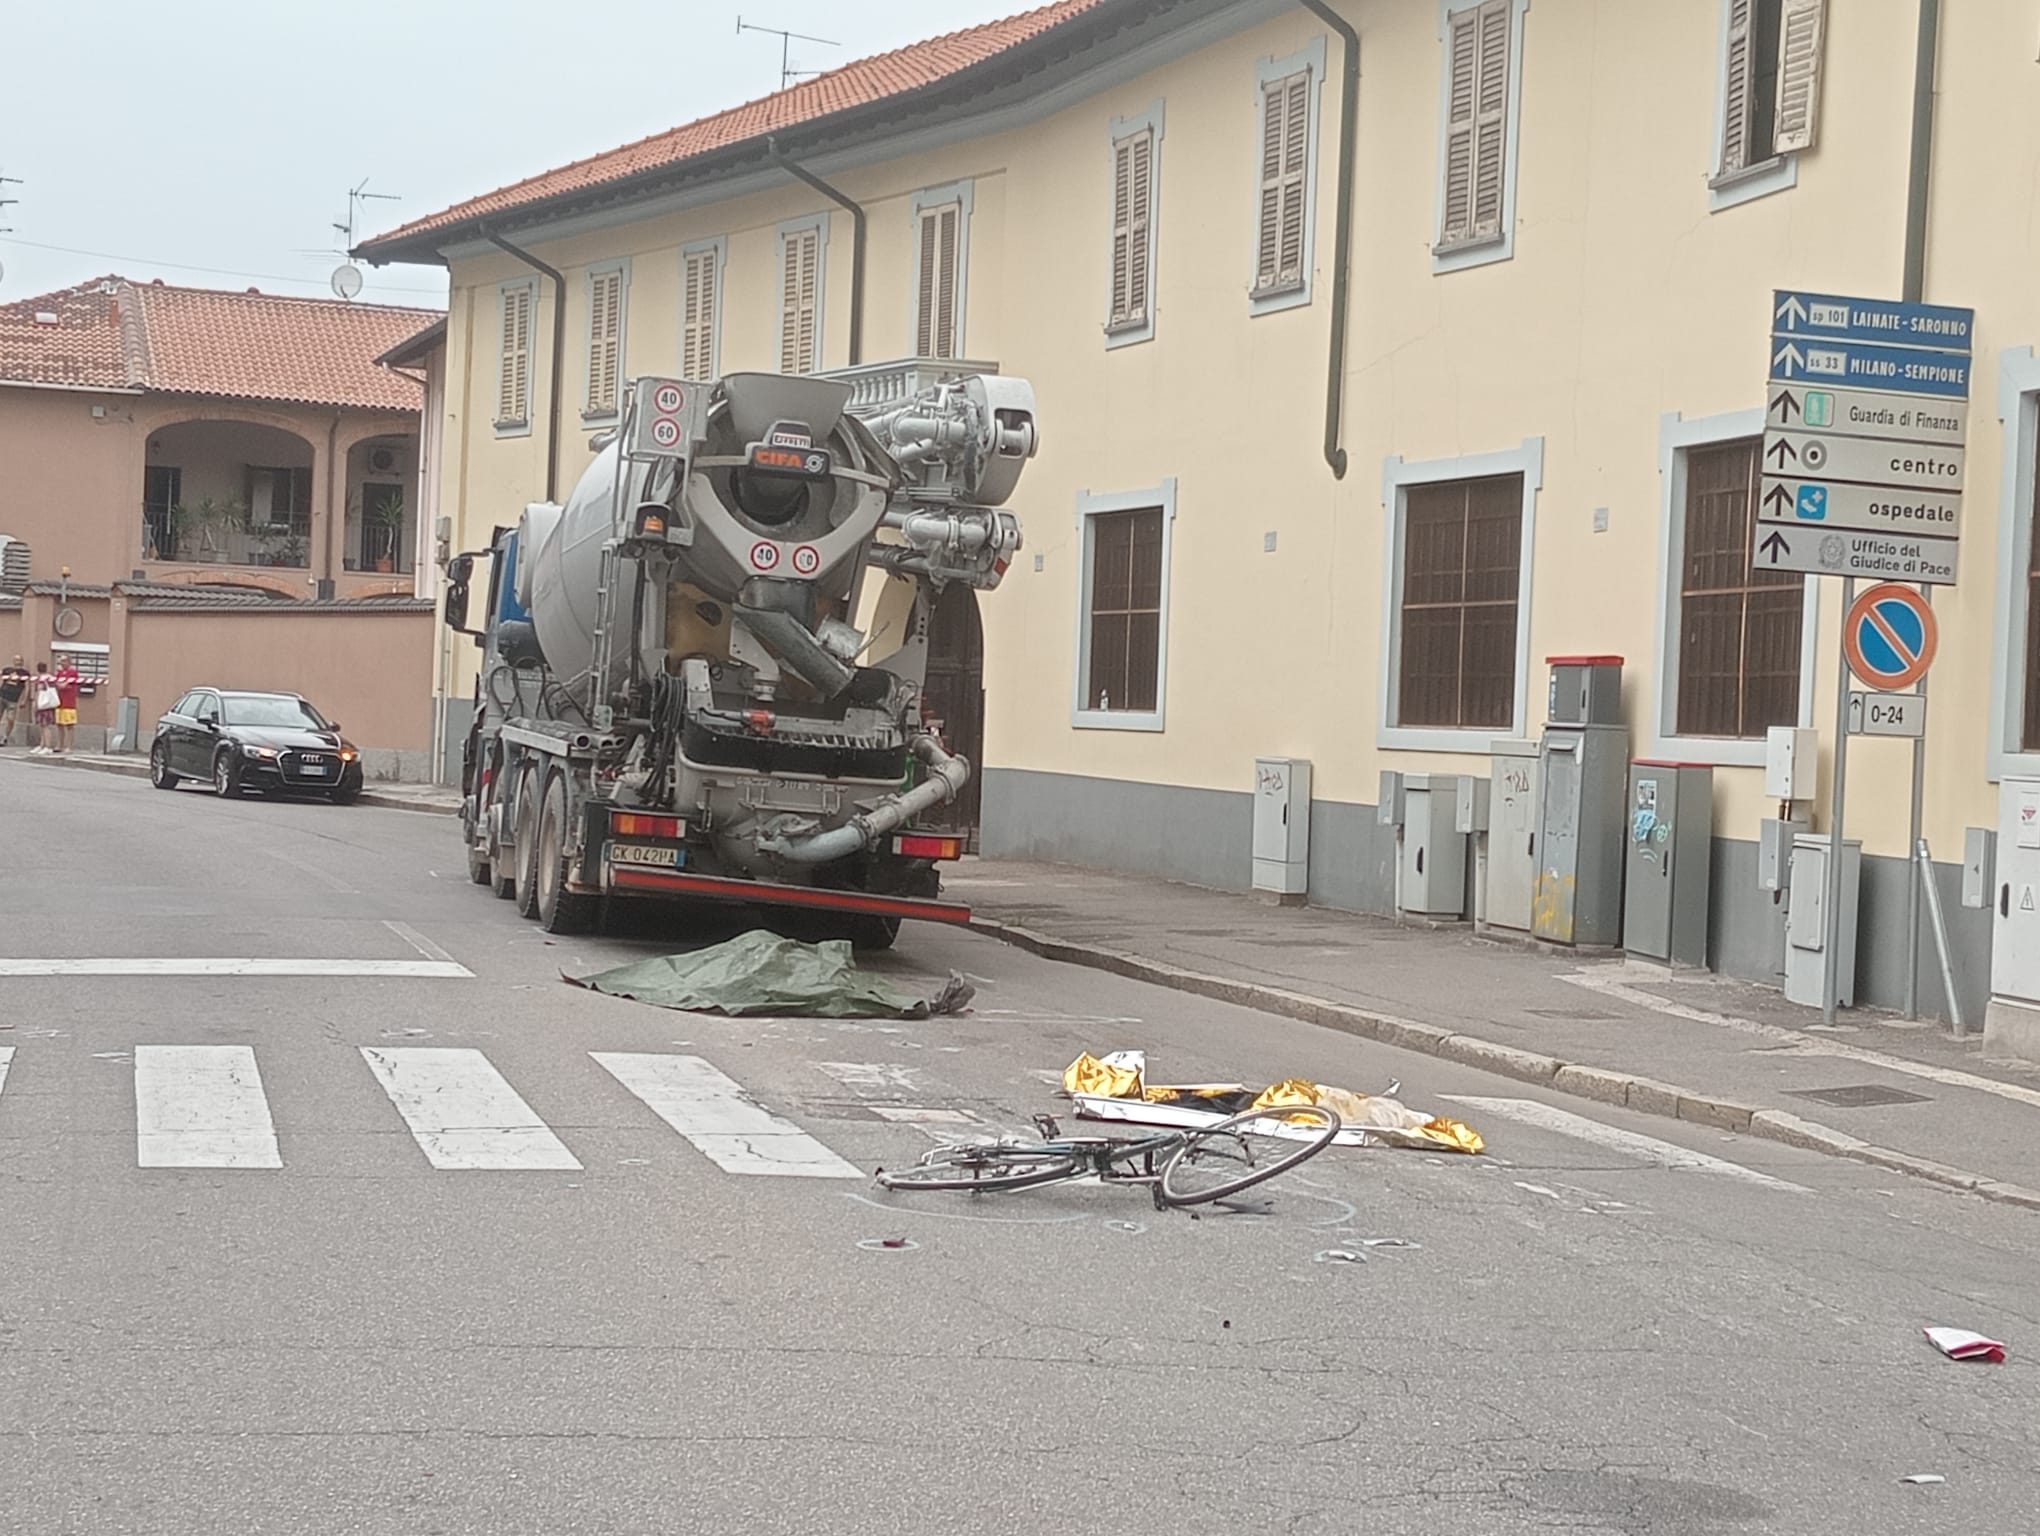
(381, 800)
(1643, 1094)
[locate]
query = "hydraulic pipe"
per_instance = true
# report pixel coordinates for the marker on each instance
(802, 173)
(1342, 243)
(559, 343)
(946, 777)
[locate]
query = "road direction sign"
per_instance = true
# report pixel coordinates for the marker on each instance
(1867, 413)
(1865, 365)
(1863, 460)
(1887, 714)
(1832, 553)
(1838, 318)
(1865, 417)
(1889, 636)
(1796, 501)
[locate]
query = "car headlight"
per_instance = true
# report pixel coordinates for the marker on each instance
(347, 754)
(259, 751)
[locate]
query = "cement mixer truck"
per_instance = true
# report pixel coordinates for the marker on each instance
(702, 674)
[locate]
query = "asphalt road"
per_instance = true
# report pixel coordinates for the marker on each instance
(1662, 1330)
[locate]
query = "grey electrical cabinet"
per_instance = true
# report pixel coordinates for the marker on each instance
(1513, 809)
(1433, 871)
(1806, 952)
(1666, 882)
(1585, 690)
(1282, 826)
(1579, 836)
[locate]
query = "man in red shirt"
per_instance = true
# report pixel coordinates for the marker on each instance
(67, 704)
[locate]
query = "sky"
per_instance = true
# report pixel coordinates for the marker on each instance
(213, 142)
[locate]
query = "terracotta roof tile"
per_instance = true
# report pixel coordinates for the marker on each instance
(115, 334)
(856, 84)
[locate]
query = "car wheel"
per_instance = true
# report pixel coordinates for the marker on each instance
(559, 910)
(525, 820)
(159, 766)
(226, 774)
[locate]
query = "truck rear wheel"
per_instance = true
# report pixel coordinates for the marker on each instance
(873, 932)
(502, 853)
(524, 822)
(559, 909)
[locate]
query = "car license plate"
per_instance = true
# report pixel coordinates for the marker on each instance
(311, 768)
(638, 853)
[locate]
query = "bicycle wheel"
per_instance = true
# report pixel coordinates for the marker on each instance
(1243, 1151)
(982, 1170)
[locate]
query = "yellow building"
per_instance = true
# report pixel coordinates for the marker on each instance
(1545, 298)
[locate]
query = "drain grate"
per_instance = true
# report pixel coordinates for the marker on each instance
(1573, 1013)
(1858, 1096)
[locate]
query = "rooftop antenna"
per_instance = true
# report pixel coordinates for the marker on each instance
(8, 202)
(787, 73)
(347, 279)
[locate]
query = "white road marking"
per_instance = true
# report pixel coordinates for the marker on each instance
(418, 941)
(1610, 984)
(725, 1124)
(201, 1106)
(462, 1112)
(916, 1114)
(6, 1056)
(872, 1079)
(1646, 1149)
(194, 966)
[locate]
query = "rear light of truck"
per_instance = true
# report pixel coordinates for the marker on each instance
(636, 824)
(923, 845)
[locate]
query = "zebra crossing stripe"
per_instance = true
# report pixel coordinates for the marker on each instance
(201, 1106)
(462, 1112)
(6, 1056)
(724, 1123)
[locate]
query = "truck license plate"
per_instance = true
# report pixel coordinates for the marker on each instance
(638, 853)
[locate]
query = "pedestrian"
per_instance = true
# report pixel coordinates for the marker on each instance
(45, 685)
(67, 681)
(13, 684)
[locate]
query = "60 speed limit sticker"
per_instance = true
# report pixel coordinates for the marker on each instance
(807, 559)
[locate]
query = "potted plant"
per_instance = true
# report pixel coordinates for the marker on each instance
(212, 520)
(262, 543)
(387, 515)
(293, 550)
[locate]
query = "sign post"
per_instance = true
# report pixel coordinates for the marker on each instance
(1866, 413)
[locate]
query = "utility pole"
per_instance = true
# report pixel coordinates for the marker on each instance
(787, 72)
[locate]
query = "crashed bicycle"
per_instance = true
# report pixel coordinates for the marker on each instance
(1179, 1168)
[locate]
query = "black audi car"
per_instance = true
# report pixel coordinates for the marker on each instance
(238, 741)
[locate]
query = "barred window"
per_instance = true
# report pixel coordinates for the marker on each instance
(1739, 641)
(1461, 580)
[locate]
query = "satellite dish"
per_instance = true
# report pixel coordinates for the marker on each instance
(347, 280)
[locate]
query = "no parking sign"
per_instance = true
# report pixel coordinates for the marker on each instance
(1890, 636)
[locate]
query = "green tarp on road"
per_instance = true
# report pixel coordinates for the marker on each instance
(761, 972)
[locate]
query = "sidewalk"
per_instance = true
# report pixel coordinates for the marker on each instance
(1696, 1047)
(434, 798)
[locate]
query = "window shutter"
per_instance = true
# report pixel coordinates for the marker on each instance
(1801, 29)
(802, 253)
(1267, 264)
(513, 386)
(935, 297)
(1285, 163)
(1735, 89)
(1122, 233)
(605, 341)
(1492, 120)
(697, 338)
(1460, 126)
(1295, 160)
(1140, 206)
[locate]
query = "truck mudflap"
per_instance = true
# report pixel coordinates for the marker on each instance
(661, 882)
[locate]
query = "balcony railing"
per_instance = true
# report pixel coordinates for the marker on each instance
(223, 540)
(878, 386)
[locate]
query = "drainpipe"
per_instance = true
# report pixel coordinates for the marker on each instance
(559, 345)
(1342, 246)
(802, 173)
